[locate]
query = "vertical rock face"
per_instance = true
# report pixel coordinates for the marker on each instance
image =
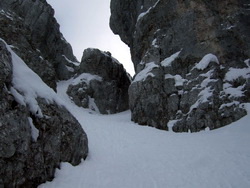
(101, 83)
(36, 134)
(191, 60)
(29, 26)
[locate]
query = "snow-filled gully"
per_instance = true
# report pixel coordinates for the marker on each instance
(125, 155)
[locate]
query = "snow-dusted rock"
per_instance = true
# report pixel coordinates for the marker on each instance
(191, 60)
(30, 27)
(37, 133)
(102, 83)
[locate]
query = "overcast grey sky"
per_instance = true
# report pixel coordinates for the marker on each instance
(85, 23)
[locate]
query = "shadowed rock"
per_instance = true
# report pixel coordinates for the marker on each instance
(102, 83)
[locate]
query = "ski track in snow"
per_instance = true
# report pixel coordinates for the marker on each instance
(125, 155)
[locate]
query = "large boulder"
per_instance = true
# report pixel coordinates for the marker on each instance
(30, 27)
(37, 133)
(191, 60)
(101, 83)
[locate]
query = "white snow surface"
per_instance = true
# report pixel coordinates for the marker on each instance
(141, 76)
(235, 73)
(234, 103)
(34, 130)
(86, 77)
(233, 92)
(92, 105)
(232, 75)
(68, 60)
(146, 12)
(28, 86)
(203, 64)
(168, 61)
(154, 43)
(123, 154)
(179, 81)
(203, 97)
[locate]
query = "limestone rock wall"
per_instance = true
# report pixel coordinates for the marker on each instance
(32, 146)
(36, 133)
(30, 27)
(186, 55)
(101, 83)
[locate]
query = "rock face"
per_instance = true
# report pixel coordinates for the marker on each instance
(191, 60)
(101, 83)
(37, 133)
(33, 142)
(29, 26)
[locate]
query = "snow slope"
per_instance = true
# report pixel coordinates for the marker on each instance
(125, 155)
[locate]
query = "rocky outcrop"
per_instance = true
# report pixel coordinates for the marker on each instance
(101, 83)
(37, 133)
(191, 60)
(30, 27)
(36, 130)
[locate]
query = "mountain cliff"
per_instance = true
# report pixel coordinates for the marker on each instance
(191, 60)
(37, 132)
(30, 27)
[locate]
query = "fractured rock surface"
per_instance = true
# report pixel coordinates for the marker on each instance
(33, 142)
(191, 60)
(101, 83)
(30, 27)
(37, 132)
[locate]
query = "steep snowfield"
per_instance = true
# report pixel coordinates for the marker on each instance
(125, 155)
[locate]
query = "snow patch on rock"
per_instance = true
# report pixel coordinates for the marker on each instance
(28, 86)
(69, 61)
(142, 76)
(233, 92)
(34, 130)
(234, 74)
(178, 79)
(86, 77)
(206, 60)
(146, 12)
(167, 62)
